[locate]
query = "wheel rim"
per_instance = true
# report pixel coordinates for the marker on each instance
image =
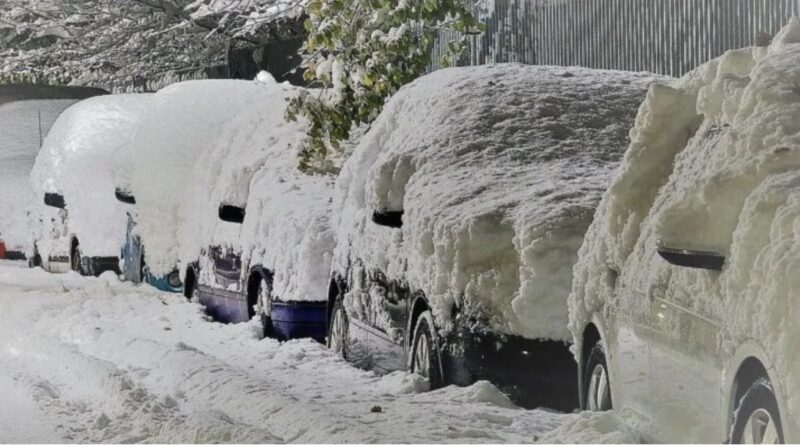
(760, 428)
(598, 395)
(422, 357)
(337, 332)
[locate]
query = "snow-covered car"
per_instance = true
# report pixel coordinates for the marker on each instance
(685, 302)
(260, 226)
(23, 126)
(459, 219)
(80, 225)
(155, 174)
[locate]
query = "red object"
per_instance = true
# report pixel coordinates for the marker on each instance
(2, 250)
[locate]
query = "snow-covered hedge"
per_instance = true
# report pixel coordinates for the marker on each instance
(21, 132)
(714, 164)
(76, 161)
(252, 163)
(498, 170)
(176, 133)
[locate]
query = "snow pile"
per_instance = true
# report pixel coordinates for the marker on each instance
(252, 163)
(180, 125)
(592, 427)
(135, 365)
(76, 161)
(714, 165)
(498, 170)
(21, 133)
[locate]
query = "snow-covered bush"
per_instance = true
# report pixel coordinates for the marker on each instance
(498, 170)
(364, 51)
(252, 163)
(77, 161)
(176, 133)
(713, 165)
(23, 125)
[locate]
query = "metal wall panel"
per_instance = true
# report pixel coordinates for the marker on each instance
(661, 36)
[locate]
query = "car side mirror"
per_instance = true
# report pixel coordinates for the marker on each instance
(388, 218)
(124, 196)
(697, 259)
(231, 213)
(54, 200)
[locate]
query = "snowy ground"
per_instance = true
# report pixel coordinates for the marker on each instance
(93, 359)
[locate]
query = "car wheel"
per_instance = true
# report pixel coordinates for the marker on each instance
(425, 353)
(75, 263)
(757, 419)
(596, 389)
(337, 330)
(195, 295)
(264, 309)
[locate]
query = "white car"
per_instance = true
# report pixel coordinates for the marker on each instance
(256, 240)
(685, 308)
(23, 126)
(460, 214)
(80, 226)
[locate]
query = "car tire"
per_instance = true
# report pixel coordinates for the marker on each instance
(338, 338)
(76, 262)
(425, 352)
(757, 418)
(264, 311)
(596, 388)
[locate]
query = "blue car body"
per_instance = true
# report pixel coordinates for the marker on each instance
(135, 269)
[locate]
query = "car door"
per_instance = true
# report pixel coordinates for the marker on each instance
(388, 317)
(226, 302)
(686, 372)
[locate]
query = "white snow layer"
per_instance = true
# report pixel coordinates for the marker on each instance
(498, 170)
(97, 360)
(21, 133)
(714, 164)
(76, 161)
(252, 163)
(180, 126)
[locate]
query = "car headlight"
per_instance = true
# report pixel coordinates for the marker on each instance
(174, 279)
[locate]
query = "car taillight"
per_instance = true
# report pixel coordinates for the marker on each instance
(174, 279)
(2, 250)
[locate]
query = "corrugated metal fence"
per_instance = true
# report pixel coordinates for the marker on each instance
(661, 36)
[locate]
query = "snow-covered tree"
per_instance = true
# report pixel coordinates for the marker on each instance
(363, 51)
(129, 42)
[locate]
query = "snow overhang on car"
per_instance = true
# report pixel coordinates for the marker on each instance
(697, 259)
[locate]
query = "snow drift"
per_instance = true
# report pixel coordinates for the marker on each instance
(180, 125)
(714, 164)
(252, 163)
(76, 161)
(498, 170)
(21, 132)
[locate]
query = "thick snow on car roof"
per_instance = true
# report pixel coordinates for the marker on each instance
(714, 164)
(21, 133)
(181, 124)
(76, 160)
(498, 170)
(253, 163)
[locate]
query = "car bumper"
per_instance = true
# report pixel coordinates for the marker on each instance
(15, 255)
(534, 373)
(99, 264)
(299, 320)
(164, 283)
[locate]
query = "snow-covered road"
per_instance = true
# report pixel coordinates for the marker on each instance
(94, 359)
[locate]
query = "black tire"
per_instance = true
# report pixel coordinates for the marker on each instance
(757, 404)
(596, 372)
(76, 260)
(338, 339)
(423, 337)
(267, 328)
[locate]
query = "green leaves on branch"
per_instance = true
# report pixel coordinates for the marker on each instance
(361, 52)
